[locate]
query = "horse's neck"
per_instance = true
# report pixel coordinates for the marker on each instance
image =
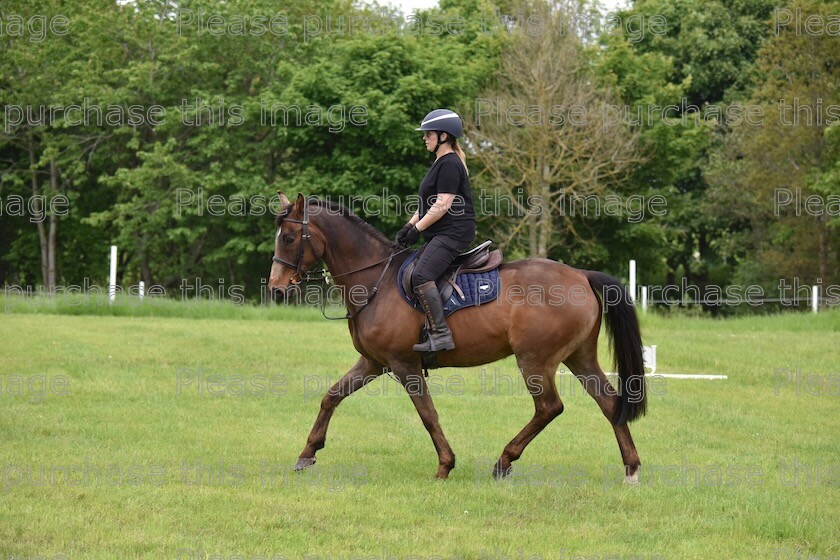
(350, 248)
(361, 263)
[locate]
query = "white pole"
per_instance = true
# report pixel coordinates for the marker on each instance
(142, 289)
(633, 281)
(815, 298)
(649, 357)
(644, 299)
(112, 279)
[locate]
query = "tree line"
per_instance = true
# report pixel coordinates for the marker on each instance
(699, 138)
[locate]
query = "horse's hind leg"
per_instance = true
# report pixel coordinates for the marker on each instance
(364, 371)
(539, 378)
(584, 364)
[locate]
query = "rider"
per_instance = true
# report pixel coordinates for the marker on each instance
(445, 217)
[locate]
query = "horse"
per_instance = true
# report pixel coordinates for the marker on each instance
(540, 334)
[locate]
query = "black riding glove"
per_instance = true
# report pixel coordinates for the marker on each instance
(400, 238)
(412, 236)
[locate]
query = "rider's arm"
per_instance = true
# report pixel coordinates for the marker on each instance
(441, 206)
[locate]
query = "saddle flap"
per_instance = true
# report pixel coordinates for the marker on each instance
(445, 283)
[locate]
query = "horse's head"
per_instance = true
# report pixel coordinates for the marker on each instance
(297, 246)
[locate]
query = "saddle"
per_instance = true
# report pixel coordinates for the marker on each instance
(475, 261)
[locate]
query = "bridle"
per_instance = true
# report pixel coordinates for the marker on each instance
(305, 237)
(323, 275)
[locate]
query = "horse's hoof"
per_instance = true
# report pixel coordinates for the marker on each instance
(304, 462)
(632, 479)
(500, 472)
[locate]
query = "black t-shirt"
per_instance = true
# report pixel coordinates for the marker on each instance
(447, 175)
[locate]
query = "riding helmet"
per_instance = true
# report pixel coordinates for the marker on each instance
(443, 120)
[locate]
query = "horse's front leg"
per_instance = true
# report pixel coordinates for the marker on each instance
(416, 387)
(364, 371)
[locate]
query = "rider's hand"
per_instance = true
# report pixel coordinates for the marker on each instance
(412, 236)
(400, 238)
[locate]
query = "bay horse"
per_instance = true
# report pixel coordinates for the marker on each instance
(540, 332)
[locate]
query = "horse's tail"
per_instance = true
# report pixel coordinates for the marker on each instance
(623, 329)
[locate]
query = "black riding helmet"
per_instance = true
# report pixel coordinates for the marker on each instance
(442, 120)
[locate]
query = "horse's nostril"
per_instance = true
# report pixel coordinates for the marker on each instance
(278, 293)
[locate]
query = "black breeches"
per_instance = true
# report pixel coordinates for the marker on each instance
(435, 258)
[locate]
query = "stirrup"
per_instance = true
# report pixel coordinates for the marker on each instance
(444, 342)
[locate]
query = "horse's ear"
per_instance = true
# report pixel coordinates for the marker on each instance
(299, 203)
(284, 200)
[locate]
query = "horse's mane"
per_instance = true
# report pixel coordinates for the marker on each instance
(335, 208)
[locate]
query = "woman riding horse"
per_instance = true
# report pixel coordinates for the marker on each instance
(445, 218)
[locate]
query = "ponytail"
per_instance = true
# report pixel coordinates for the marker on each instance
(457, 149)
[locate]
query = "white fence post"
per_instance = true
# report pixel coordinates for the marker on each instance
(644, 299)
(112, 278)
(815, 298)
(142, 289)
(649, 357)
(633, 281)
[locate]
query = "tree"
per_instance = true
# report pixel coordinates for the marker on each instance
(215, 137)
(544, 136)
(50, 151)
(678, 73)
(790, 155)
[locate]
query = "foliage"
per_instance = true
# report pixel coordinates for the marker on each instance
(679, 75)
(778, 176)
(188, 197)
(546, 146)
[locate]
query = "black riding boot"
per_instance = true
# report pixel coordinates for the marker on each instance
(440, 337)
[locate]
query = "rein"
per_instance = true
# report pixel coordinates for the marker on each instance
(326, 280)
(321, 275)
(375, 289)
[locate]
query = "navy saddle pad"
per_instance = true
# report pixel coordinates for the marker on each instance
(478, 289)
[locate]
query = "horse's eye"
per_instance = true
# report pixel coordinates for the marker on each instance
(288, 239)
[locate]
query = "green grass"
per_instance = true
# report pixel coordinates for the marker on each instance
(718, 480)
(125, 306)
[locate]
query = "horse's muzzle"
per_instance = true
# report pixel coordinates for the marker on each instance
(278, 294)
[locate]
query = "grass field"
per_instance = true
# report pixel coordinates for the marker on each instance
(174, 437)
